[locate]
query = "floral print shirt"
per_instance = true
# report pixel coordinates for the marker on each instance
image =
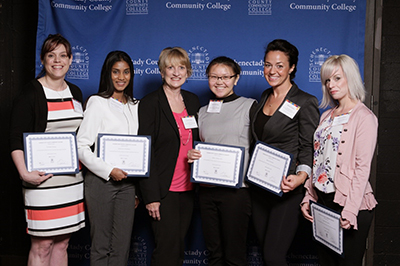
(326, 144)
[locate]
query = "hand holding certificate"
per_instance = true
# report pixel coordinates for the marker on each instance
(267, 167)
(219, 165)
(326, 227)
(129, 153)
(53, 153)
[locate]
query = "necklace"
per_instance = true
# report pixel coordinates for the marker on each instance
(60, 90)
(180, 135)
(61, 94)
(121, 101)
(341, 113)
(177, 116)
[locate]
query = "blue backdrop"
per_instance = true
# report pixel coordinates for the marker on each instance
(239, 29)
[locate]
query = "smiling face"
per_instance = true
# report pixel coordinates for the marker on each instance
(120, 76)
(174, 76)
(56, 62)
(277, 69)
(221, 80)
(337, 85)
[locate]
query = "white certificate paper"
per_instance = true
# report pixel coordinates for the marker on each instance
(326, 227)
(267, 167)
(53, 153)
(130, 153)
(219, 165)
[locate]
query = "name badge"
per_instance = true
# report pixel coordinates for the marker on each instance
(214, 106)
(340, 120)
(189, 122)
(289, 109)
(116, 105)
(77, 106)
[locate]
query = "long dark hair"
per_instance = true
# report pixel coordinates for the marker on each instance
(50, 44)
(106, 87)
(289, 49)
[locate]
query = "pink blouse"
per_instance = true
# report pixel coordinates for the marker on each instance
(355, 152)
(181, 178)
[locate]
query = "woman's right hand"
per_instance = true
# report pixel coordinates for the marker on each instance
(154, 210)
(305, 209)
(193, 155)
(35, 177)
(117, 174)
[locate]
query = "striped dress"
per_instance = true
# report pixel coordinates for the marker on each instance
(56, 206)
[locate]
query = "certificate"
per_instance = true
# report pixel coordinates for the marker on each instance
(53, 153)
(267, 167)
(219, 165)
(326, 227)
(129, 153)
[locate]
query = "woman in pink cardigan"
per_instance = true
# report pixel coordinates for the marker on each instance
(344, 145)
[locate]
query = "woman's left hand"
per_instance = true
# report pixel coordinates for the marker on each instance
(345, 224)
(291, 182)
(118, 174)
(305, 209)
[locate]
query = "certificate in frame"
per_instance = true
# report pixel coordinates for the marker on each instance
(326, 227)
(267, 167)
(52, 152)
(130, 153)
(219, 165)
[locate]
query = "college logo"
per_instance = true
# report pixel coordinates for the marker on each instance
(79, 68)
(137, 7)
(317, 58)
(199, 58)
(260, 7)
(138, 252)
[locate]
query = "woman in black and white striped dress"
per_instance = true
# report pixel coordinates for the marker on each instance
(53, 204)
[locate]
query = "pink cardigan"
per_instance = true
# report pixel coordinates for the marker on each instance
(356, 149)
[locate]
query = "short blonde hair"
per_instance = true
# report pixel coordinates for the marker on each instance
(352, 74)
(174, 56)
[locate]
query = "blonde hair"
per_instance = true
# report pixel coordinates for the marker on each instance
(352, 74)
(174, 56)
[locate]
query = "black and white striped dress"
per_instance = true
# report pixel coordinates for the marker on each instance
(56, 206)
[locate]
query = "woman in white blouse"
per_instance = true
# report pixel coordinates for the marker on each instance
(110, 195)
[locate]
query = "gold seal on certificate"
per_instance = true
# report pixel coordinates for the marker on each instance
(53, 153)
(219, 165)
(326, 227)
(267, 167)
(130, 153)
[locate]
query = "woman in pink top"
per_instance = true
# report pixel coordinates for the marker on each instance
(344, 145)
(169, 115)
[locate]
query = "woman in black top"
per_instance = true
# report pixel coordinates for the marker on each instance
(168, 193)
(275, 218)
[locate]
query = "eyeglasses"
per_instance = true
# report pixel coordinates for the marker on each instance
(223, 78)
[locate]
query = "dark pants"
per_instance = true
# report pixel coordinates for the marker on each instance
(275, 222)
(176, 211)
(354, 241)
(111, 209)
(225, 214)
